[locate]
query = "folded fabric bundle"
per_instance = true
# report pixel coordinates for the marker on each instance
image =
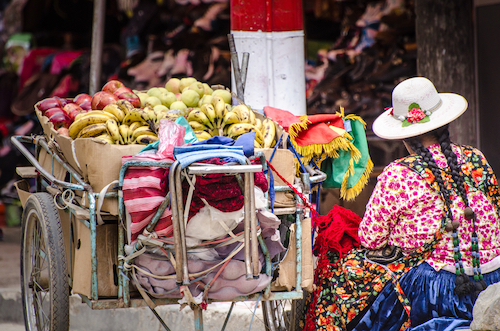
(144, 189)
(338, 139)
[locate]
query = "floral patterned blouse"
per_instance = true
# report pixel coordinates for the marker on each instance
(404, 211)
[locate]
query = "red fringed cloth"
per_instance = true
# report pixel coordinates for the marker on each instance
(337, 233)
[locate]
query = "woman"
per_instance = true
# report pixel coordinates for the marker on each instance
(435, 212)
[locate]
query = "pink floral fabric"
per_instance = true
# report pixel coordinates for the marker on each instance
(404, 211)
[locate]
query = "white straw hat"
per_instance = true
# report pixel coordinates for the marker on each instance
(417, 108)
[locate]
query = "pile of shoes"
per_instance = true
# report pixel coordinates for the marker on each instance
(364, 64)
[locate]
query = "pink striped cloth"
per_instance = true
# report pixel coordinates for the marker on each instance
(144, 189)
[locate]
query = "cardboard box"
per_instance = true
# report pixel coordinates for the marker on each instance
(107, 260)
(96, 161)
(283, 162)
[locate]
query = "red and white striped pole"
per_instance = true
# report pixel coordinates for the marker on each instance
(272, 32)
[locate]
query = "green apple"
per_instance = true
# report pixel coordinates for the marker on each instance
(173, 85)
(198, 87)
(185, 82)
(154, 92)
(205, 99)
(178, 105)
(167, 98)
(207, 88)
(224, 94)
(190, 98)
(152, 101)
(143, 96)
(160, 108)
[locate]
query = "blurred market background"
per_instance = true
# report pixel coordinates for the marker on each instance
(356, 51)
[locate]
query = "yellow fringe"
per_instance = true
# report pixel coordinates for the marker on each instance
(353, 192)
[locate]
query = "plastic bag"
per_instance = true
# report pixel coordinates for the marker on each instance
(170, 134)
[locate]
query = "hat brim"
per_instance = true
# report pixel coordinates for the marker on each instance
(388, 127)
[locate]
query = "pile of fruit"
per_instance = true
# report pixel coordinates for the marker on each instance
(119, 115)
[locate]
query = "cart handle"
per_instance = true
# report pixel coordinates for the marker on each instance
(40, 140)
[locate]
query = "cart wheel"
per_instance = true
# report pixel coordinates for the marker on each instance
(44, 278)
(283, 315)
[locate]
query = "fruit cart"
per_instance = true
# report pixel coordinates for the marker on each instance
(53, 210)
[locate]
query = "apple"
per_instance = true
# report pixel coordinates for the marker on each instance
(60, 120)
(69, 107)
(55, 110)
(63, 101)
(142, 96)
(72, 114)
(81, 98)
(167, 98)
(101, 99)
(63, 131)
(86, 105)
(112, 86)
(127, 94)
(152, 101)
(48, 103)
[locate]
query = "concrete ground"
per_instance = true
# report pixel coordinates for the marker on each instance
(82, 318)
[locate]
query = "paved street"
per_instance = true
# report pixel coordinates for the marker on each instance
(83, 318)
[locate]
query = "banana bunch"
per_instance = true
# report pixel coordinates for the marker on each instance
(218, 118)
(118, 123)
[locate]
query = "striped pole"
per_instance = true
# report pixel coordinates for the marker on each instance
(272, 32)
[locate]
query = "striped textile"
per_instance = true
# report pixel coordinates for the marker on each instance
(144, 189)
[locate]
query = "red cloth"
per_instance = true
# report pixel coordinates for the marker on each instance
(337, 232)
(316, 130)
(144, 189)
(220, 191)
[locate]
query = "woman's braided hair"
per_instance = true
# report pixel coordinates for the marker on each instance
(463, 285)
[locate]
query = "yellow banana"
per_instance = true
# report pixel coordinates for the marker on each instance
(198, 116)
(243, 112)
(107, 138)
(125, 106)
(115, 110)
(202, 135)
(151, 115)
(124, 129)
(136, 115)
(258, 124)
(269, 132)
(78, 125)
(94, 112)
(256, 144)
(239, 129)
(142, 130)
(113, 131)
(146, 139)
(134, 126)
(230, 118)
(93, 130)
(197, 126)
(209, 110)
(252, 116)
(220, 109)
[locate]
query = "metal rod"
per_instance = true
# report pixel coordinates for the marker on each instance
(236, 67)
(96, 50)
(198, 318)
(222, 169)
(227, 316)
(253, 230)
(246, 224)
(244, 70)
(93, 248)
(175, 222)
(182, 226)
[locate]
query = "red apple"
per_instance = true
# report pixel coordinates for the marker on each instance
(127, 94)
(112, 86)
(63, 131)
(81, 98)
(86, 105)
(72, 114)
(101, 99)
(69, 107)
(48, 103)
(60, 120)
(52, 111)
(63, 101)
